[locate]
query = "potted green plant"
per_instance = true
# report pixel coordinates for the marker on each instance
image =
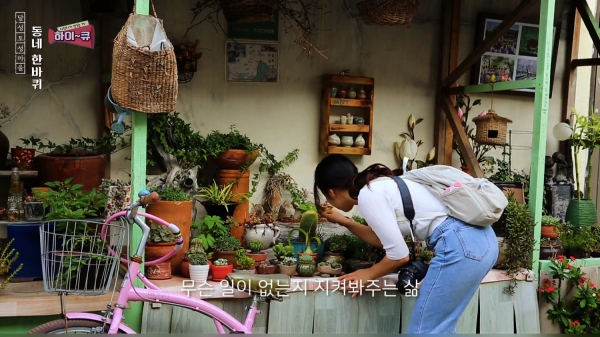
(210, 228)
(550, 248)
(586, 136)
(84, 159)
(225, 248)
(256, 252)
(306, 234)
(329, 268)
(161, 241)
(220, 268)
(360, 255)
(232, 150)
(281, 252)
(261, 228)
(577, 241)
(424, 254)
(549, 227)
(175, 206)
(288, 266)
(306, 266)
(8, 256)
(198, 262)
(335, 246)
(218, 199)
(245, 264)
(265, 267)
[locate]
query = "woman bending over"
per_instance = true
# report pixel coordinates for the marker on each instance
(464, 254)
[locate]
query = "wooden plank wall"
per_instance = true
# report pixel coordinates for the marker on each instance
(318, 312)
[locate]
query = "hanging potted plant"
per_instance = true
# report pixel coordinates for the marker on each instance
(175, 206)
(586, 136)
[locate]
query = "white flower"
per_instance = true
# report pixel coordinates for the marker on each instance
(407, 148)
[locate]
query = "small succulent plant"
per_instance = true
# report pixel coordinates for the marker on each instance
(306, 259)
(255, 246)
(282, 252)
(289, 261)
(221, 262)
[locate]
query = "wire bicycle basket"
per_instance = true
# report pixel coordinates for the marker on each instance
(75, 259)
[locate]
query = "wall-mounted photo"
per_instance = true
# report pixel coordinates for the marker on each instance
(251, 62)
(513, 56)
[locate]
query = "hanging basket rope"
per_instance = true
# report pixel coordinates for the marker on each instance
(387, 12)
(248, 11)
(491, 128)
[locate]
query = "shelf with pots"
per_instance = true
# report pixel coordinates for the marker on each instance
(347, 108)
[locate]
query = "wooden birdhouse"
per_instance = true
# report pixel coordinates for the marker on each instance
(491, 128)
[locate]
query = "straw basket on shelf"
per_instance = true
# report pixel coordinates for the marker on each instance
(387, 12)
(248, 11)
(491, 128)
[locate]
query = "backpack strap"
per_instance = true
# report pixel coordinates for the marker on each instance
(409, 210)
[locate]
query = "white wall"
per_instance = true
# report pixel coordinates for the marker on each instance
(283, 116)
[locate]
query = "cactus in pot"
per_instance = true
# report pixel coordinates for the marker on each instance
(288, 266)
(255, 251)
(306, 266)
(307, 233)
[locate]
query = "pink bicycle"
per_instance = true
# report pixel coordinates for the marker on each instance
(111, 320)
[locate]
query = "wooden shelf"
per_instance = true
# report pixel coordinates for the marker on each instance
(348, 128)
(349, 150)
(348, 102)
(22, 174)
(331, 111)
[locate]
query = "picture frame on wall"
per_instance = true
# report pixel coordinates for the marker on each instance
(513, 57)
(252, 61)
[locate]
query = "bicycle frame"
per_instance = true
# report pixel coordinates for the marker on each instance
(155, 294)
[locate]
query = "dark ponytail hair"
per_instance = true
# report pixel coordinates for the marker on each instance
(337, 171)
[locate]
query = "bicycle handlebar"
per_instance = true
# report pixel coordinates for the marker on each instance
(145, 200)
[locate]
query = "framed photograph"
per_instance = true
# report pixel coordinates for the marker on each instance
(513, 57)
(251, 61)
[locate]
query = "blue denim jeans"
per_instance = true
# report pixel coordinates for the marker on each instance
(464, 254)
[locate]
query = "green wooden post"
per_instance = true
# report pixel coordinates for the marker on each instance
(139, 135)
(540, 121)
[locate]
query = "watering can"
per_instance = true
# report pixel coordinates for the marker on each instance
(118, 126)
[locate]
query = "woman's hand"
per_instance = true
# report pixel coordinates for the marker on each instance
(334, 216)
(356, 281)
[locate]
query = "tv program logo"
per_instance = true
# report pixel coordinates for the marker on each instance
(80, 34)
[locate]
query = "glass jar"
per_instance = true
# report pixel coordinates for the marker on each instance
(34, 210)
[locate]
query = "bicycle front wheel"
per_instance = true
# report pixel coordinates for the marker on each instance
(72, 326)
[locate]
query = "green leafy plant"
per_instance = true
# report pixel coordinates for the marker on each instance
(578, 237)
(290, 261)
(108, 144)
(336, 244)
(255, 246)
(306, 259)
(586, 135)
(68, 201)
(243, 260)
(172, 194)
(308, 224)
(331, 264)
(8, 256)
(211, 228)
(281, 252)
(518, 238)
(160, 233)
(424, 254)
(549, 220)
(218, 195)
(227, 244)
(577, 309)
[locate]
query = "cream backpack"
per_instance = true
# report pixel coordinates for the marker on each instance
(475, 201)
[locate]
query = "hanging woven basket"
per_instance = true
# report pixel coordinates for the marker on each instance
(387, 12)
(491, 128)
(248, 11)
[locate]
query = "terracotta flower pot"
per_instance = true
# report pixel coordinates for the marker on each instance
(235, 159)
(258, 257)
(549, 232)
(219, 272)
(287, 270)
(266, 268)
(88, 170)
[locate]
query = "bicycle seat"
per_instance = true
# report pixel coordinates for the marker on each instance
(259, 283)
